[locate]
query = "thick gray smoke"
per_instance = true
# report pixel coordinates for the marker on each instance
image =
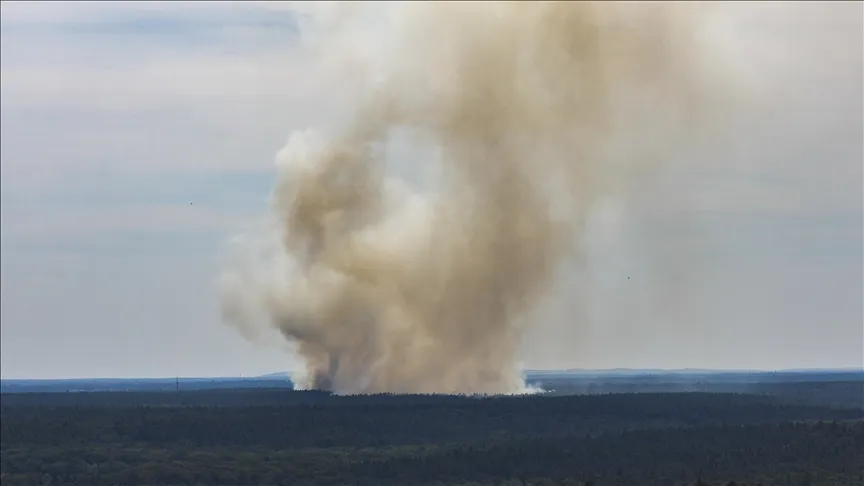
(532, 112)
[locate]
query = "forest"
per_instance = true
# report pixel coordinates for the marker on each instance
(286, 437)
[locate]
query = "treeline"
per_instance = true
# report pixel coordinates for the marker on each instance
(312, 438)
(843, 394)
(775, 454)
(373, 421)
(840, 394)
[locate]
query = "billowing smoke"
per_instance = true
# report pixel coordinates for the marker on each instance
(527, 114)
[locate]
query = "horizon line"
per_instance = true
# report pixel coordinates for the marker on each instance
(288, 374)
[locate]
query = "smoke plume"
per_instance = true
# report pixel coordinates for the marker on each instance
(528, 114)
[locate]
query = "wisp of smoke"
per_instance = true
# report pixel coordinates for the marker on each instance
(533, 112)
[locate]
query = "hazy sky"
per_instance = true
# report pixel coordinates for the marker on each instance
(136, 138)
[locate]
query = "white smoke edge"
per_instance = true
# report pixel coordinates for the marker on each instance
(254, 263)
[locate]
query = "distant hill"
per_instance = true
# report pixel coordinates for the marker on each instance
(736, 376)
(143, 384)
(278, 374)
(686, 371)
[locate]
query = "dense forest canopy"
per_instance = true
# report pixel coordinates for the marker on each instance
(278, 436)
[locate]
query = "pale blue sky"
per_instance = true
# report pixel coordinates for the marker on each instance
(115, 117)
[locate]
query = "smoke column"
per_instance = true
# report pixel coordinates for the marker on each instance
(532, 112)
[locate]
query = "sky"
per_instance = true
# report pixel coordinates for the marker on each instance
(138, 137)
